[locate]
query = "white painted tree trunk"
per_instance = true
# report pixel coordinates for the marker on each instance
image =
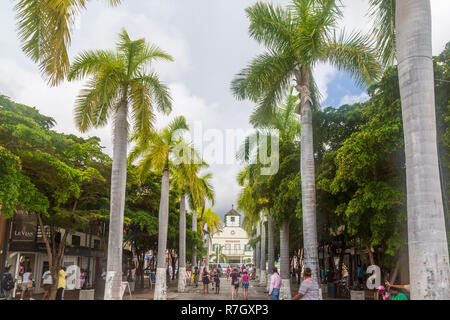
(311, 257)
(258, 253)
(194, 228)
(161, 277)
(182, 246)
(207, 251)
(285, 290)
(270, 249)
(263, 274)
(427, 240)
(118, 182)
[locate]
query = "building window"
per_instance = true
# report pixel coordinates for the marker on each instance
(76, 240)
(232, 219)
(237, 247)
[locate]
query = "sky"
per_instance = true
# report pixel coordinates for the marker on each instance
(210, 44)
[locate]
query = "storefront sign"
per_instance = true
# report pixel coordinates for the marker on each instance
(24, 227)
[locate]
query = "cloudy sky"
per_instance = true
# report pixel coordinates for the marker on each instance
(210, 44)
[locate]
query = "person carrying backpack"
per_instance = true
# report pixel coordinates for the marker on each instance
(8, 283)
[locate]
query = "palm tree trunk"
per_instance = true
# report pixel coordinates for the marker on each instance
(311, 258)
(258, 252)
(118, 183)
(285, 290)
(207, 251)
(161, 278)
(263, 278)
(427, 240)
(270, 249)
(194, 228)
(182, 245)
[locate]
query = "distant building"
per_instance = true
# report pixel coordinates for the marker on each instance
(233, 240)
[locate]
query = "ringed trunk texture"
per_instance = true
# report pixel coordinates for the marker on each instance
(161, 277)
(427, 239)
(270, 249)
(182, 245)
(311, 258)
(263, 275)
(285, 290)
(118, 182)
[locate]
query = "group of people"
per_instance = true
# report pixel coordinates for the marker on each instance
(28, 283)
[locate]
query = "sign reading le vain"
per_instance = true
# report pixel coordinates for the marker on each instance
(24, 227)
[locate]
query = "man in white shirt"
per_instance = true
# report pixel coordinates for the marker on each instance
(47, 283)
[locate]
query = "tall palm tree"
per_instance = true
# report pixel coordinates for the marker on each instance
(158, 152)
(118, 83)
(205, 192)
(45, 28)
(185, 178)
(297, 38)
(208, 226)
(270, 248)
(219, 255)
(404, 30)
(285, 290)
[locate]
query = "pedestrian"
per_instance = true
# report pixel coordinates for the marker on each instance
(382, 294)
(8, 283)
(228, 273)
(217, 281)
(397, 295)
(61, 283)
(360, 274)
(196, 276)
(82, 278)
(275, 285)
(27, 284)
(245, 283)
(234, 284)
(205, 281)
(213, 276)
(47, 282)
(309, 289)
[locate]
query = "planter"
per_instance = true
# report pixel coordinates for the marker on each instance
(357, 295)
(87, 294)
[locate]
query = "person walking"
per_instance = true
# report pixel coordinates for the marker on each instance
(245, 283)
(217, 281)
(397, 295)
(382, 294)
(275, 285)
(228, 273)
(8, 283)
(61, 283)
(213, 276)
(309, 289)
(27, 284)
(205, 280)
(47, 282)
(234, 284)
(360, 274)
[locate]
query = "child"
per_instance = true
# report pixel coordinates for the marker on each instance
(217, 282)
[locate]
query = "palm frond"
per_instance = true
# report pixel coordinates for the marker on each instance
(382, 13)
(353, 53)
(159, 91)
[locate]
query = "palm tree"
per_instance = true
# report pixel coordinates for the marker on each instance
(160, 151)
(118, 81)
(219, 255)
(208, 226)
(45, 29)
(285, 290)
(297, 38)
(270, 248)
(404, 30)
(185, 179)
(205, 192)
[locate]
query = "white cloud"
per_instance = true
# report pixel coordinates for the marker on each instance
(349, 99)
